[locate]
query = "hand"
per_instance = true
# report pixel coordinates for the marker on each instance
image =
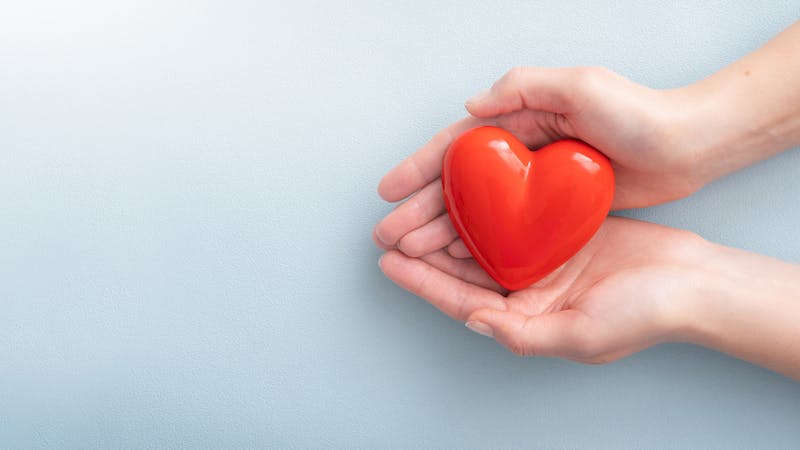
(636, 127)
(624, 291)
(634, 284)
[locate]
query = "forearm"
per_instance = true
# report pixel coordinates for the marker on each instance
(746, 112)
(748, 306)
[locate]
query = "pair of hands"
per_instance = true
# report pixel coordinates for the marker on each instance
(630, 286)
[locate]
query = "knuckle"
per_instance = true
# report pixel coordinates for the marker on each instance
(600, 71)
(461, 303)
(417, 170)
(591, 76)
(522, 343)
(458, 250)
(514, 76)
(416, 210)
(408, 245)
(586, 348)
(463, 271)
(584, 76)
(587, 83)
(517, 71)
(423, 279)
(519, 349)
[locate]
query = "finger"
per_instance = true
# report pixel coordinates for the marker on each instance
(463, 269)
(456, 298)
(539, 88)
(554, 334)
(535, 128)
(457, 249)
(415, 212)
(378, 242)
(430, 237)
(425, 165)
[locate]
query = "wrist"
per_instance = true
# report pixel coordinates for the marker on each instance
(709, 287)
(745, 305)
(686, 316)
(734, 118)
(726, 286)
(704, 133)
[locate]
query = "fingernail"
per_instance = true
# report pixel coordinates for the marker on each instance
(380, 261)
(479, 97)
(380, 238)
(480, 328)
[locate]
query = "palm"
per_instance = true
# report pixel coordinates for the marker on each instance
(611, 299)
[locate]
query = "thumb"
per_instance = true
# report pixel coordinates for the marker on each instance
(555, 334)
(538, 88)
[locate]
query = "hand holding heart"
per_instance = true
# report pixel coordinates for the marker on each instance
(633, 284)
(631, 125)
(627, 289)
(634, 126)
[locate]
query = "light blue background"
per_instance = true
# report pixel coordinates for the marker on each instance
(187, 193)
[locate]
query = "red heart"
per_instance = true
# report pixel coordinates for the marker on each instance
(523, 213)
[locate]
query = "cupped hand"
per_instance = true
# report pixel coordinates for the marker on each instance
(629, 288)
(638, 128)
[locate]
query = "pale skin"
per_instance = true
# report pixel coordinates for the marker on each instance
(635, 284)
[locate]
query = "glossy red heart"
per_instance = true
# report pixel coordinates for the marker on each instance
(524, 213)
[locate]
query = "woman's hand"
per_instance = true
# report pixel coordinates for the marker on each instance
(635, 284)
(636, 127)
(663, 144)
(626, 290)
